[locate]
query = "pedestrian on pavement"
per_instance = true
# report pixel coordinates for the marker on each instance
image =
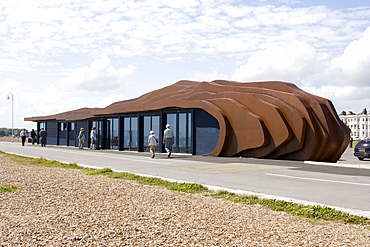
(33, 136)
(93, 138)
(23, 135)
(152, 143)
(43, 134)
(81, 138)
(168, 140)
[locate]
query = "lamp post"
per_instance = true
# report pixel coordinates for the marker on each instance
(12, 98)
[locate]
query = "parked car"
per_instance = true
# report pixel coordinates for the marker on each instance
(362, 149)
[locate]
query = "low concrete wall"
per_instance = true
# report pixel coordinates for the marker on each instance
(9, 139)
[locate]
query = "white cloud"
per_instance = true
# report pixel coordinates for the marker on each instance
(100, 76)
(353, 65)
(154, 43)
(210, 76)
(296, 62)
(180, 4)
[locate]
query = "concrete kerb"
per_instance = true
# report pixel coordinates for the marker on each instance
(347, 165)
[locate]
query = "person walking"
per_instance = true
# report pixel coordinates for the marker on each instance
(93, 138)
(81, 138)
(23, 135)
(43, 134)
(33, 136)
(152, 143)
(168, 140)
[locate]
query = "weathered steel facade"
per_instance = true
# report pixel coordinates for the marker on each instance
(220, 118)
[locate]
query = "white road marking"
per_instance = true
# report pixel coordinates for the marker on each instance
(316, 179)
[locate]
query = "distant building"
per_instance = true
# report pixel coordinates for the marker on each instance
(359, 124)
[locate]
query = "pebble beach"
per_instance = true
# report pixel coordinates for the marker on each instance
(64, 207)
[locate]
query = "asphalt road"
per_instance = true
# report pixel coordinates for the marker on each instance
(344, 185)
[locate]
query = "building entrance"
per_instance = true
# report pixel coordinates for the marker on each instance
(130, 133)
(181, 125)
(150, 123)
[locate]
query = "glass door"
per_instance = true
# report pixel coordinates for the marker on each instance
(150, 123)
(181, 125)
(130, 133)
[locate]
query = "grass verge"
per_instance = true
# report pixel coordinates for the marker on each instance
(311, 212)
(174, 186)
(23, 160)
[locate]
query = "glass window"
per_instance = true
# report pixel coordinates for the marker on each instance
(182, 136)
(171, 120)
(134, 133)
(114, 133)
(146, 130)
(42, 125)
(130, 133)
(127, 133)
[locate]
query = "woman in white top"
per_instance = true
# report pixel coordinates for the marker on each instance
(93, 138)
(152, 143)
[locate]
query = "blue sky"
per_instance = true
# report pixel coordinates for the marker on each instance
(62, 55)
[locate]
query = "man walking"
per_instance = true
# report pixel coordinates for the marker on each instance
(23, 135)
(168, 140)
(43, 134)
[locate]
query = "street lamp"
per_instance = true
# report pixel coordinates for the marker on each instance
(12, 114)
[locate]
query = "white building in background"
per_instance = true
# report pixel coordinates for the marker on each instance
(359, 124)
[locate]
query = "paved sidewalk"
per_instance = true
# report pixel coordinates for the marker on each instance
(347, 160)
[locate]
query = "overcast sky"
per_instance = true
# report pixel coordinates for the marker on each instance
(63, 55)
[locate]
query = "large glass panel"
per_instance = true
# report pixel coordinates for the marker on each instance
(150, 123)
(146, 130)
(114, 133)
(42, 125)
(155, 127)
(108, 134)
(189, 147)
(100, 135)
(134, 133)
(182, 138)
(127, 133)
(171, 120)
(184, 133)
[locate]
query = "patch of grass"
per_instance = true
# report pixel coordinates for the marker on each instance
(174, 186)
(312, 212)
(8, 188)
(41, 162)
(99, 171)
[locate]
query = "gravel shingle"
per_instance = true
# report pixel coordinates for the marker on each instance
(61, 207)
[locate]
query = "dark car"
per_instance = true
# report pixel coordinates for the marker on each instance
(362, 149)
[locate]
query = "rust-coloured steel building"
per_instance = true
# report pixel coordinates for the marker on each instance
(271, 119)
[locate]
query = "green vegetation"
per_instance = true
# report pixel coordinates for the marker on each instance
(41, 162)
(311, 212)
(174, 186)
(8, 188)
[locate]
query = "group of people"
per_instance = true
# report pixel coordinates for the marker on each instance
(168, 139)
(42, 134)
(81, 138)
